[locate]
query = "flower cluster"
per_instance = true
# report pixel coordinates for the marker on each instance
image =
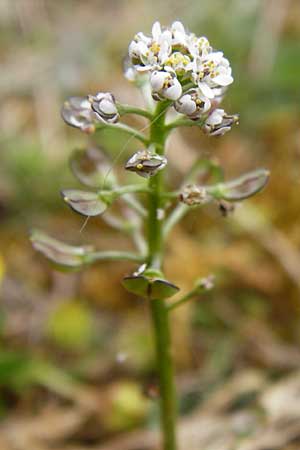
(182, 68)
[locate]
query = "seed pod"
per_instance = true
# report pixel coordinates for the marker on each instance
(241, 188)
(92, 168)
(245, 186)
(84, 202)
(146, 163)
(59, 253)
(148, 285)
(77, 113)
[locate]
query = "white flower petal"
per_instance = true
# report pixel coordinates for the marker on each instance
(206, 90)
(178, 26)
(223, 79)
(164, 51)
(174, 91)
(216, 57)
(185, 105)
(166, 36)
(108, 107)
(156, 31)
(216, 117)
(157, 80)
(144, 69)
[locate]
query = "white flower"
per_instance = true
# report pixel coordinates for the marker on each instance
(192, 104)
(210, 72)
(104, 107)
(219, 122)
(149, 53)
(165, 85)
(198, 46)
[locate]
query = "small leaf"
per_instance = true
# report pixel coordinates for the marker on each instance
(151, 288)
(58, 252)
(92, 168)
(241, 188)
(84, 202)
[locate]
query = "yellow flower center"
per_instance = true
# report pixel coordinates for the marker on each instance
(155, 48)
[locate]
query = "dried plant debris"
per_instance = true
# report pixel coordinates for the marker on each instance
(245, 413)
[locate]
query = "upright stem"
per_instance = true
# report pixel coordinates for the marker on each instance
(159, 309)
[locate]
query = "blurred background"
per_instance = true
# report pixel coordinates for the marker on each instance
(76, 359)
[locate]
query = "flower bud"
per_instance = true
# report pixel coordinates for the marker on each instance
(146, 163)
(77, 112)
(194, 195)
(193, 104)
(205, 283)
(218, 122)
(165, 85)
(104, 106)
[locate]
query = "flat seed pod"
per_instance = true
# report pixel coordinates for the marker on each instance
(92, 168)
(151, 288)
(245, 186)
(84, 202)
(77, 112)
(59, 253)
(138, 285)
(161, 289)
(241, 188)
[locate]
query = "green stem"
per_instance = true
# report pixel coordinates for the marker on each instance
(182, 122)
(126, 129)
(184, 299)
(131, 188)
(128, 109)
(165, 370)
(112, 255)
(159, 309)
(176, 215)
(133, 203)
(199, 167)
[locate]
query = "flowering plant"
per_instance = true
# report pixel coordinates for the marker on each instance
(179, 75)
